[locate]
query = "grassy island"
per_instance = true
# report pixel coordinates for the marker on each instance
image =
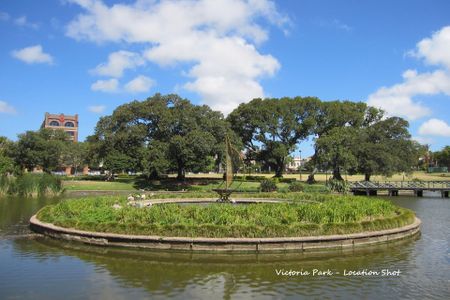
(301, 214)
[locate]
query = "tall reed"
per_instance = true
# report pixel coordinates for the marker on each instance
(31, 185)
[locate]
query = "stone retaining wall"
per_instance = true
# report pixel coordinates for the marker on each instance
(310, 243)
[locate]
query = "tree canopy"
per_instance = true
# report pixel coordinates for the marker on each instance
(160, 134)
(270, 129)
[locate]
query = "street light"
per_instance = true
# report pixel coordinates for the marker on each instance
(300, 165)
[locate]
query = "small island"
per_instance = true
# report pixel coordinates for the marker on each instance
(256, 222)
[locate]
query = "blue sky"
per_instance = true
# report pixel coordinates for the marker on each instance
(88, 57)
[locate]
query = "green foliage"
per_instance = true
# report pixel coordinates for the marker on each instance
(117, 162)
(161, 134)
(339, 186)
(366, 143)
(268, 185)
(329, 215)
(43, 148)
(296, 187)
(7, 165)
(277, 125)
(29, 185)
(75, 155)
(384, 147)
(333, 149)
(442, 157)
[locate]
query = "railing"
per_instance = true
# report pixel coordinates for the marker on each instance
(425, 185)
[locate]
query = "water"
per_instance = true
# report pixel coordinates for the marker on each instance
(33, 267)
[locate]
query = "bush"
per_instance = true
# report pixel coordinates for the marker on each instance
(287, 180)
(296, 187)
(268, 185)
(339, 186)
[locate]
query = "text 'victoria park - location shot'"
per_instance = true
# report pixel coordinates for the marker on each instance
(233, 149)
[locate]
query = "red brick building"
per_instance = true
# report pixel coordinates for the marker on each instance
(70, 125)
(65, 122)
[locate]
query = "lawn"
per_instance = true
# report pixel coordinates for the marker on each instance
(207, 182)
(88, 185)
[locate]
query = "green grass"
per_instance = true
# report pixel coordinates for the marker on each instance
(31, 185)
(173, 185)
(326, 214)
(87, 185)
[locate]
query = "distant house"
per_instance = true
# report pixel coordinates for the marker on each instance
(295, 163)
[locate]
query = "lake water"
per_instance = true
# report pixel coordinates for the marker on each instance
(33, 267)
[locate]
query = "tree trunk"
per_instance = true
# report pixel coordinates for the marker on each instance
(337, 174)
(311, 179)
(279, 170)
(367, 177)
(181, 174)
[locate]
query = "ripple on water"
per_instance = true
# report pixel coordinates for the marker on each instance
(41, 268)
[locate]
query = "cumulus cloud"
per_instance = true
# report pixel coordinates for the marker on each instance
(140, 84)
(108, 86)
(435, 127)
(98, 109)
(217, 39)
(117, 63)
(32, 55)
(435, 50)
(398, 99)
(401, 99)
(6, 108)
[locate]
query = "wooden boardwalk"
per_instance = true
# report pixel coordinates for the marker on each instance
(393, 187)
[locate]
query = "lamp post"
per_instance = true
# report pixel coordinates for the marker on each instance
(300, 165)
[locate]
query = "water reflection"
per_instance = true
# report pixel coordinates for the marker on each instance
(42, 268)
(230, 275)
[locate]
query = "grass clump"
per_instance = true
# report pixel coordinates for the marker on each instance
(321, 215)
(30, 185)
(268, 185)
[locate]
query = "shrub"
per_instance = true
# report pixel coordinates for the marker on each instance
(287, 180)
(268, 185)
(296, 187)
(339, 186)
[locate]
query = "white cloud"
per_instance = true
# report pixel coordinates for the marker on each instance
(32, 55)
(400, 99)
(435, 127)
(140, 84)
(216, 38)
(118, 62)
(23, 21)
(98, 109)
(435, 50)
(6, 108)
(108, 86)
(423, 140)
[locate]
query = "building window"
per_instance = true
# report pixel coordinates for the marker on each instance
(71, 133)
(69, 124)
(54, 123)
